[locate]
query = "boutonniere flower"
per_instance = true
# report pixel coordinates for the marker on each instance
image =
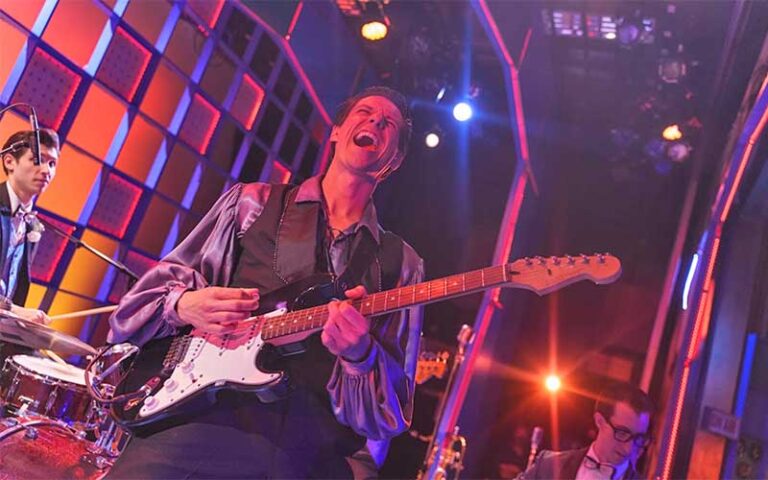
(35, 227)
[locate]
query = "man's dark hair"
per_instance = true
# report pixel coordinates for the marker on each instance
(623, 392)
(48, 138)
(393, 96)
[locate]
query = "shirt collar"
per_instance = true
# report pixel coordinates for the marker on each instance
(620, 469)
(16, 201)
(312, 191)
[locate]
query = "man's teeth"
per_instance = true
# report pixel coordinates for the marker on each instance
(365, 139)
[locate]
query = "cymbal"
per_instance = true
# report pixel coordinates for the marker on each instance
(13, 329)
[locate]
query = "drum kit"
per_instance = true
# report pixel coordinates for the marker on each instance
(52, 423)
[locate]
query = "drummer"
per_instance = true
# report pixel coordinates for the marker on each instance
(25, 181)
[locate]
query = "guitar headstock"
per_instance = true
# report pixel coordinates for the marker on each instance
(546, 274)
(430, 365)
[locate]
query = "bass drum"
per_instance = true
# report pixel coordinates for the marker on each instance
(39, 448)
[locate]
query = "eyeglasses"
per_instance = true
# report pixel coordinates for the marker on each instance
(624, 435)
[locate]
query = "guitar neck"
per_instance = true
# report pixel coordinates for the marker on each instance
(389, 301)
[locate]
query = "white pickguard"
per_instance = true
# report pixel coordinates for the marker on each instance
(213, 361)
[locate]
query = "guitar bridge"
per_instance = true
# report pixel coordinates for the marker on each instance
(176, 352)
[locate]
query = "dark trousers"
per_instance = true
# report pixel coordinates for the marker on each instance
(241, 438)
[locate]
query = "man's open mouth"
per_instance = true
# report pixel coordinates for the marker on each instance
(366, 140)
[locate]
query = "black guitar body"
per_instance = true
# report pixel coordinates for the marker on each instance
(157, 360)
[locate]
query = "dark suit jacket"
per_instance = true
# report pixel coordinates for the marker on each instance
(19, 297)
(551, 465)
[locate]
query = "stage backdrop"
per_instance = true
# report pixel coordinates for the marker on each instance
(161, 106)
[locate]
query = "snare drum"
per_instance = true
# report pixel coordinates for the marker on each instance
(41, 386)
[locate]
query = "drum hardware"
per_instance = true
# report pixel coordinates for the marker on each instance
(29, 427)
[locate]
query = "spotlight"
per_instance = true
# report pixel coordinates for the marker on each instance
(432, 139)
(376, 23)
(552, 383)
(440, 95)
(462, 111)
(672, 132)
(374, 30)
(672, 70)
(678, 151)
(628, 32)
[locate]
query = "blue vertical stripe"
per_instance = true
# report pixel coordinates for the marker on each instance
(746, 373)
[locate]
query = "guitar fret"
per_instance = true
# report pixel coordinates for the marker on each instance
(395, 299)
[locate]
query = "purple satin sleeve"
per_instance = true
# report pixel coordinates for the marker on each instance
(204, 258)
(374, 397)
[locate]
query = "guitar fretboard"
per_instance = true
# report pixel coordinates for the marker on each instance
(389, 301)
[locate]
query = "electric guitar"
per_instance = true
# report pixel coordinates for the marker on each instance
(169, 373)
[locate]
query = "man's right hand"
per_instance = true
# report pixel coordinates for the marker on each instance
(31, 314)
(217, 309)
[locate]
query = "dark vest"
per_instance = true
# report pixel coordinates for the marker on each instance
(285, 244)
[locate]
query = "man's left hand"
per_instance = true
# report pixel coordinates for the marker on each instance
(346, 332)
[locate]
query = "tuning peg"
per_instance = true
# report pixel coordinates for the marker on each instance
(555, 260)
(570, 259)
(528, 261)
(584, 258)
(541, 260)
(601, 257)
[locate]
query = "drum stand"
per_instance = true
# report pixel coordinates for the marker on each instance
(111, 439)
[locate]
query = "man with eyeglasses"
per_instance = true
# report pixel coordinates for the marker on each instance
(622, 417)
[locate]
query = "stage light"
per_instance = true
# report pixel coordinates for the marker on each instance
(627, 32)
(375, 21)
(678, 151)
(552, 383)
(440, 95)
(672, 70)
(462, 111)
(374, 30)
(432, 140)
(672, 132)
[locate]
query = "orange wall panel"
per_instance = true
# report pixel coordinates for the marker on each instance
(11, 43)
(35, 295)
(140, 149)
(155, 225)
(163, 94)
(23, 11)
(86, 271)
(147, 17)
(75, 28)
(66, 303)
(69, 191)
(97, 121)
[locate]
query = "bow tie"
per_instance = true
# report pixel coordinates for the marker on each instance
(593, 464)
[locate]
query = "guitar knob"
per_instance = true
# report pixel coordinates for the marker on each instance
(186, 367)
(171, 384)
(150, 402)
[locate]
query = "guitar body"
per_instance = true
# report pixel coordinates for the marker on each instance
(184, 371)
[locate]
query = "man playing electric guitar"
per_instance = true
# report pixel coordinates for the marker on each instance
(352, 382)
